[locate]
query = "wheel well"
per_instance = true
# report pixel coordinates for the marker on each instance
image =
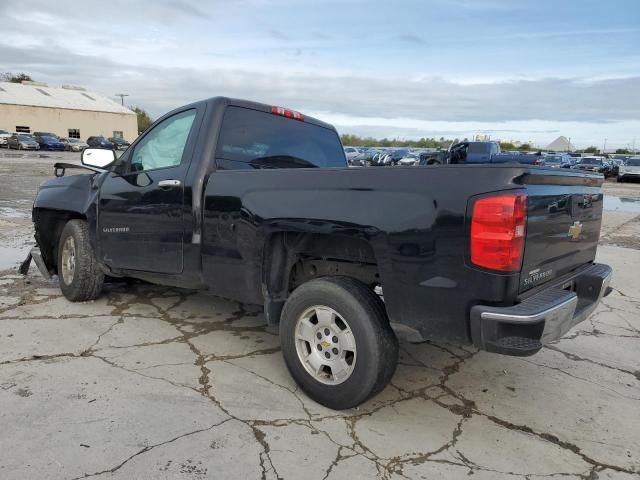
(48, 227)
(292, 259)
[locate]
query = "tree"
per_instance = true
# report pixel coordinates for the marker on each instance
(144, 120)
(591, 149)
(15, 78)
(623, 151)
(524, 147)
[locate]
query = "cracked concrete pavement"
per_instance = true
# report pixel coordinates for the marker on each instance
(158, 382)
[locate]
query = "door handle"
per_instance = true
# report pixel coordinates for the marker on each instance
(168, 183)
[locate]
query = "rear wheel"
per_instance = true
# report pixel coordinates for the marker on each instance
(80, 276)
(620, 179)
(337, 342)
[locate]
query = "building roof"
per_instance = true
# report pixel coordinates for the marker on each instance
(560, 144)
(71, 98)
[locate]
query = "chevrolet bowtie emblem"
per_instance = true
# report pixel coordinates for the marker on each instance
(575, 230)
(325, 344)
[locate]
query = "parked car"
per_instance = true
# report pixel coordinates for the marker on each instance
(351, 152)
(345, 261)
(22, 141)
(74, 144)
(590, 164)
(392, 157)
(571, 161)
(120, 143)
(4, 137)
(630, 170)
(438, 157)
(612, 166)
(364, 158)
(45, 134)
(489, 152)
(100, 142)
(557, 160)
(49, 143)
(409, 159)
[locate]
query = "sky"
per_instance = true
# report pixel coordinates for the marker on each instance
(527, 70)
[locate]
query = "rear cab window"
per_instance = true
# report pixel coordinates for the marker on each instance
(251, 139)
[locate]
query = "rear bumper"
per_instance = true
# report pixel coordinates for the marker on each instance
(524, 328)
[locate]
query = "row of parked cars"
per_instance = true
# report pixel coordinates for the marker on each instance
(51, 141)
(489, 152)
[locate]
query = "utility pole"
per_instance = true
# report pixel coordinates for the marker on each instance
(569, 145)
(604, 148)
(121, 95)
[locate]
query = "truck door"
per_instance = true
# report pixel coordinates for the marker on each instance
(141, 208)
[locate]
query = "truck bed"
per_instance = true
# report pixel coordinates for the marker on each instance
(416, 220)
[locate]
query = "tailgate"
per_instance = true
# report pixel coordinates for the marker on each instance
(564, 213)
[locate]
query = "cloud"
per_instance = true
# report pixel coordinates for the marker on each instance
(278, 35)
(432, 98)
(412, 38)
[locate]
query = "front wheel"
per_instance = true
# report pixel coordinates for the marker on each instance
(337, 342)
(80, 275)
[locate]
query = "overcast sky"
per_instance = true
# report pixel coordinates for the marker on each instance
(514, 69)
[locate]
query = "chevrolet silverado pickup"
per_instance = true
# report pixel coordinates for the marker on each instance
(256, 203)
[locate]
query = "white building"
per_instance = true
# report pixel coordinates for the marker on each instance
(66, 111)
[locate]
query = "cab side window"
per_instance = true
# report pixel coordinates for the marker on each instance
(163, 146)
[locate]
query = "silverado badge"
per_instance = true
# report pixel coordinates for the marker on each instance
(575, 230)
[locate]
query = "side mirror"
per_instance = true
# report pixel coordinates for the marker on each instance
(97, 157)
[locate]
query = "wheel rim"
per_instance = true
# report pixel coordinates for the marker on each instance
(68, 260)
(325, 345)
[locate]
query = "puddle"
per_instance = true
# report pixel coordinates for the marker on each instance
(11, 257)
(9, 212)
(621, 204)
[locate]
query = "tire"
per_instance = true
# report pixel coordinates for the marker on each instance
(367, 339)
(80, 275)
(620, 179)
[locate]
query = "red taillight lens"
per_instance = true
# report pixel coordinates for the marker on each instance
(498, 232)
(285, 112)
(537, 161)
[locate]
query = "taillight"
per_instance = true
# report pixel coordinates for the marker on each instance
(498, 231)
(285, 112)
(537, 161)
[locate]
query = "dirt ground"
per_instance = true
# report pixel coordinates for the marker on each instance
(157, 382)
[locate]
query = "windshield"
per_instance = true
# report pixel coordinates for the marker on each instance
(553, 159)
(633, 162)
(254, 139)
(25, 137)
(591, 161)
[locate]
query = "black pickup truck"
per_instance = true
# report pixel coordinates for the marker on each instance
(256, 203)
